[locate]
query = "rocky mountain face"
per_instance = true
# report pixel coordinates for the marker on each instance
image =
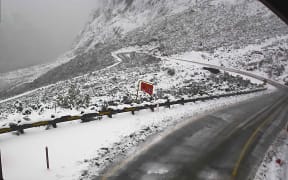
(174, 26)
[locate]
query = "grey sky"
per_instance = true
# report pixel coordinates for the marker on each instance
(37, 31)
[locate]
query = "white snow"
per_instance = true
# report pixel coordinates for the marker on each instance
(157, 171)
(197, 56)
(246, 57)
(253, 80)
(71, 144)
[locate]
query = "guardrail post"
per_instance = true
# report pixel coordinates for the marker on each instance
(1, 172)
(168, 103)
(21, 131)
(54, 125)
(133, 112)
(182, 101)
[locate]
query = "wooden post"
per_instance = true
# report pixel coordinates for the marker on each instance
(47, 157)
(1, 173)
(110, 115)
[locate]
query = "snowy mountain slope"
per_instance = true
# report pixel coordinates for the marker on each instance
(18, 77)
(115, 18)
(174, 25)
(206, 27)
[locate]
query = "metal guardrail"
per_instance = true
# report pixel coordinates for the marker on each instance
(110, 112)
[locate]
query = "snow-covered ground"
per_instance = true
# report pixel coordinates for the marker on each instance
(270, 168)
(85, 149)
(267, 59)
(119, 81)
(75, 146)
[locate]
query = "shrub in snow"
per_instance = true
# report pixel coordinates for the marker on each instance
(171, 71)
(73, 99)
(27, 111)
(104, 106)
(18, 106)
(127, 99)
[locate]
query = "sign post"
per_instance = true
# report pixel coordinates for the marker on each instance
(138, 85)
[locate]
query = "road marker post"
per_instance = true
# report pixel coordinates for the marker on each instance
(47, 158)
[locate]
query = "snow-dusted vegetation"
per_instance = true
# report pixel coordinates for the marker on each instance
(116, 87)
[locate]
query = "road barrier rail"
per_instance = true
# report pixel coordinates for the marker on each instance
(110, 112)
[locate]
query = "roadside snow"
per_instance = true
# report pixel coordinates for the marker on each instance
(253, 80)
(270, 169)
(74, 145)
(197, 56)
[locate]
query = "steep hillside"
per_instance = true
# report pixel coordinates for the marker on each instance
(115, 18)
(174, 26)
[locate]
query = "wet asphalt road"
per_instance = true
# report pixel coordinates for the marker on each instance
(228, 144)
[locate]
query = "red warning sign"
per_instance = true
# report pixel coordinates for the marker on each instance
(146, 87)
